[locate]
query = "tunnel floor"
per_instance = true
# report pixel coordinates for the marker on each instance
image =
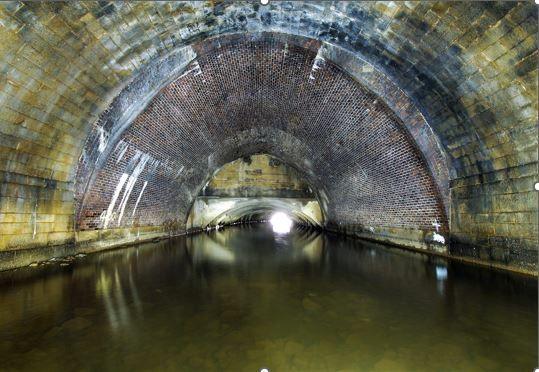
(246, 298)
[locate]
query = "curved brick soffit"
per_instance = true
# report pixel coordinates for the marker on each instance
(349, 25)
(109, 128)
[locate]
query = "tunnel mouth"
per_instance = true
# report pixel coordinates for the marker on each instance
(258, 188)
(281, 222)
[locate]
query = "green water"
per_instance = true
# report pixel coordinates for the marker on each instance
(244, 299)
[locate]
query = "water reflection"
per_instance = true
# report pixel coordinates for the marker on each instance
(115, 294)
(228, 247)
(246, 298)
(441, 277)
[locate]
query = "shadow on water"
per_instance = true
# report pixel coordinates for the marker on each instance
(247, 298)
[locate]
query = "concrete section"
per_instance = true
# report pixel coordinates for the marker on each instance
(251, 189)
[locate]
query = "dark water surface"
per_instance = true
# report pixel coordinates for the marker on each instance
(243, 299)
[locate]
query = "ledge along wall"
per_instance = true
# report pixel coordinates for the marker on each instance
(445, 95)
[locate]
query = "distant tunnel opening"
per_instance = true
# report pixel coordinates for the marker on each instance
(254, 189)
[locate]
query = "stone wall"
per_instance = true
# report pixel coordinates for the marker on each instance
(494, 216)
(257, 175)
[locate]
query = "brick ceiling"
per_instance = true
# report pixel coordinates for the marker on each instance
(266, 94)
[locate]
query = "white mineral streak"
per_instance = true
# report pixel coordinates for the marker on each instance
(34, 216)
(178, 174)
(317, 64)
(139, 197)
(438, 238)
(122, 146)
(110, 209)
(102, 217)
(103, 139)
(131, 183)
(363, 176)
(196, 70)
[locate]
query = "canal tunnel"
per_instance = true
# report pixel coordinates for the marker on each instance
(414, 123)
(294, 185)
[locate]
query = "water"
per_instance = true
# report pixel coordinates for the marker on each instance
(244, 299)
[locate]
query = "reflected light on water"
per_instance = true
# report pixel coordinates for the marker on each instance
(441, 277)
(441, 272)
(213, 251)
(281, 223)
(250, 299)
(113, 292)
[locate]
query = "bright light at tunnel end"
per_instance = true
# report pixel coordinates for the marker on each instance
(281, 223)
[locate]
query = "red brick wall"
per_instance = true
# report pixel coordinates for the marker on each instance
(363, 161)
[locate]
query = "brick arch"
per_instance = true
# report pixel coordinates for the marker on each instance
(134, 98)
(265, 93)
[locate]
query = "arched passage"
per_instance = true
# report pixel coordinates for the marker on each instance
(281, 97)
(466, 69)
(253, 188)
